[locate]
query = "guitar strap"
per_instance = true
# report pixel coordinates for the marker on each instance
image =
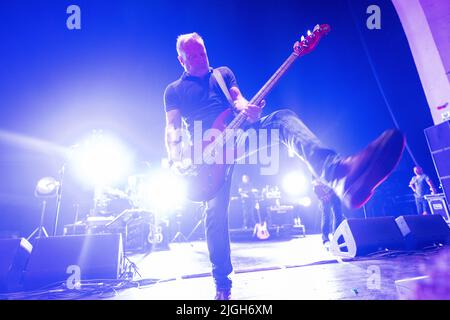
(223, 86)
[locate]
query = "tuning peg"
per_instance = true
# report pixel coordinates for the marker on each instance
(308, 32)
(317, 27)
(302, 38)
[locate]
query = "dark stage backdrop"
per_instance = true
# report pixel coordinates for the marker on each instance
(58, 84)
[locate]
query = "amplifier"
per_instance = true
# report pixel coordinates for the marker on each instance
(281, 215)
(438, 205)
(137, 235)
(138, 228)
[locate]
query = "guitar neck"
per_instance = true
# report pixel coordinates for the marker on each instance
(264, 91)
(261, 95)
(301, 48)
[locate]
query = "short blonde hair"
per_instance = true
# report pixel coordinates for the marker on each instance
(182, 39)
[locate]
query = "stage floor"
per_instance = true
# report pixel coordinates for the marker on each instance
(285, 269)
(299, 268)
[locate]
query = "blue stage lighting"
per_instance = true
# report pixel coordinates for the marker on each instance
(101, 160)
(160, 191)
(295, 183)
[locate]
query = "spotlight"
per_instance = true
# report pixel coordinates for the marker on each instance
(295, 183)
(47, 187)
(305, 201)
(161, 191)
(291, 152)
(101, 160)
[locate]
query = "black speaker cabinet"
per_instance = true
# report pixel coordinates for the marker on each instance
(55, 260)
(360, 237)
(423, 231)
(438, 138)
(14, 255)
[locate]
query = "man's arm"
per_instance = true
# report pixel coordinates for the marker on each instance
(253, 112)
(431, 184)
(173, 136)
(412, 185)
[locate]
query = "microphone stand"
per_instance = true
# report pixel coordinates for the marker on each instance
(58, 198)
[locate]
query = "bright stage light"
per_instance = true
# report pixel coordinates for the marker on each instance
(47, 187)
(291, 152)
(162, 191)
(101, 160)
(295, 183)
(305, 201)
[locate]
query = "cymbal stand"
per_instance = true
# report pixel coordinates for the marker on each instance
(41, 229)
(200, 221)
(179, 234)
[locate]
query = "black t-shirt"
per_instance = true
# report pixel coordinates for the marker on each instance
(199, 99)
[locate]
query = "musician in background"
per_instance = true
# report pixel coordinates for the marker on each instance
(330, 205)
(420, 184)
(248, 201)
(198, 96)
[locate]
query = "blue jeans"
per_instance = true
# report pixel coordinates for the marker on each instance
(331, 216)
(422, 205)
(294, 134)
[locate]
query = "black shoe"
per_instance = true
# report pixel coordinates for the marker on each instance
(357, 177)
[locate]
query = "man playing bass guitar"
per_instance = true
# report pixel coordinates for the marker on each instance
(198, 96)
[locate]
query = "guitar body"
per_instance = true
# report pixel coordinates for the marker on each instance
(261, 231)
(207, 179)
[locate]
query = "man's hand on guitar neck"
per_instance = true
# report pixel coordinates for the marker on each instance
(252, 111)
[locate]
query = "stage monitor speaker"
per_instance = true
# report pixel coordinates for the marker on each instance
(14, 255)
(446, 189)
(360, 237)
(423, 231)
(55, 260)
(438, 138)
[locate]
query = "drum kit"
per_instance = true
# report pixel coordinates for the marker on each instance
(126, 212)
(144, 228)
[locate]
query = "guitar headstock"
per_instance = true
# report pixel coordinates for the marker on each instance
(309, 43)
